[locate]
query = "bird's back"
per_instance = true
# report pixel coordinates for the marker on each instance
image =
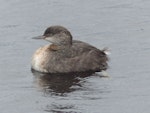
(88, 58)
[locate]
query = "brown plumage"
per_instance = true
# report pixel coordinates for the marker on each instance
(65, 55)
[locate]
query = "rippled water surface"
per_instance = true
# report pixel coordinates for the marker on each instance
(121, 25)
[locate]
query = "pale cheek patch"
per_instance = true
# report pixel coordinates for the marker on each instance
(51, 39)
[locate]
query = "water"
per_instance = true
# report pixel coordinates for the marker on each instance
(123, 26)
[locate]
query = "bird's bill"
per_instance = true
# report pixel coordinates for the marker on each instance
(39, 37)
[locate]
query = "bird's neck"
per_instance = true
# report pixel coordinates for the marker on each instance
(54, 47)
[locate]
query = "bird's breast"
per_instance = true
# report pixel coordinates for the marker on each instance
(39, 59)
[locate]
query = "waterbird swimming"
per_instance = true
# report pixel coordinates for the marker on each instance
(65, 55)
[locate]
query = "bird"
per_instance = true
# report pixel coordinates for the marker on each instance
(65, 55)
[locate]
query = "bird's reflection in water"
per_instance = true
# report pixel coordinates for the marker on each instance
(57, 108)
(60, 84)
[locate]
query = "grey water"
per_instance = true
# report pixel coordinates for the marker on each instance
(121, 25)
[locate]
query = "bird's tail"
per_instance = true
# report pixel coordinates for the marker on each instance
(106, 50)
